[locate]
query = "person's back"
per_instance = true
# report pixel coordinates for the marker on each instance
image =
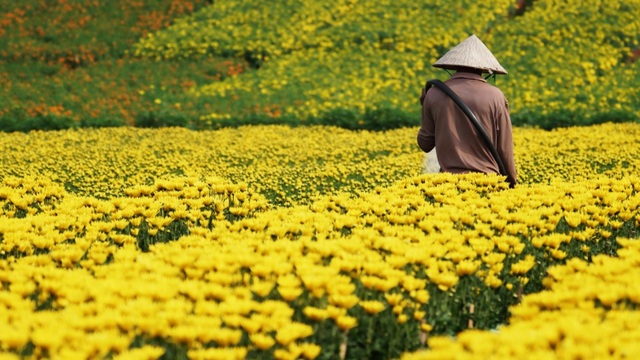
(460, 148)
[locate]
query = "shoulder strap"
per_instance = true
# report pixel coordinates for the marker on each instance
(472, 117)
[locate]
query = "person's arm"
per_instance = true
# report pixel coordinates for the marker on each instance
(426, 134)
(505, 143)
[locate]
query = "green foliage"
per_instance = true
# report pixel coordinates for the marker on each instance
(101, 121)
(382, 118)
(161, 118)
(19, 120)
(565, 118)
(172, 232)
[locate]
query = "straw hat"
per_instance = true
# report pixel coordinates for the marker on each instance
(471, 53)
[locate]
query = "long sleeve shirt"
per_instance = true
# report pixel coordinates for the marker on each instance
(459, 146)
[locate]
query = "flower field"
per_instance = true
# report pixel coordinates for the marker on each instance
(276, 242)
(196, 179)
(568, 62)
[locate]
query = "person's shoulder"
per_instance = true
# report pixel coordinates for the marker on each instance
(494, 88)
(434, 94)
(495, 91)
(497, 95)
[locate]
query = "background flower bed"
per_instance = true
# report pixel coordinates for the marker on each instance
(339, 63)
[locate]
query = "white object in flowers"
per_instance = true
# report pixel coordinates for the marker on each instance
(430, 164)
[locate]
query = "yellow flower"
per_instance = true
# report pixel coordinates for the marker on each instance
(310, 351)
(445, 280)
(509, 286)
(230, 353)
(410, 283)
(47, 338)
(372, 306)
(262, 341)
(23, 288)
(144, 352)
(251, 326)
(183, 334)
(262, 269)
(282, 354)
(558, 254)
(374, 282)
(466, 267)
(121, 224)
(422, 296)
(426, 327)
(344, 301)
(523, 266)
(289, 294)
(136, 221)
(226, 337)
(346, 322)
(291, 332)
(335, 311)
(493, 281)
(393, 299)
(315, 314)
(605, 233)
(262, 288)
(318, 292)
(573, 219)
(13, 338)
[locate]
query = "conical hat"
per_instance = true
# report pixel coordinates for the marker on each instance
(471, 53)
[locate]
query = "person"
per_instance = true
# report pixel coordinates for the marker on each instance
(447, 133)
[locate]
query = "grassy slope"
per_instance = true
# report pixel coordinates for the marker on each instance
(68, 62)
(64, 62)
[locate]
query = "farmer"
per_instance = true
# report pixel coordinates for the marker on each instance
(447, 131)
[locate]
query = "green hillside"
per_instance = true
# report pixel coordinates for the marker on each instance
(350, 63)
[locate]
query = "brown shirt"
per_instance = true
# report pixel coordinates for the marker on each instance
(460, 148)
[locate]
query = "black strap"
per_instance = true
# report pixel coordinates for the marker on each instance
(471, 116)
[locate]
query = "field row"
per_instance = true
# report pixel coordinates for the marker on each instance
(293, 165)
(429, 255)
